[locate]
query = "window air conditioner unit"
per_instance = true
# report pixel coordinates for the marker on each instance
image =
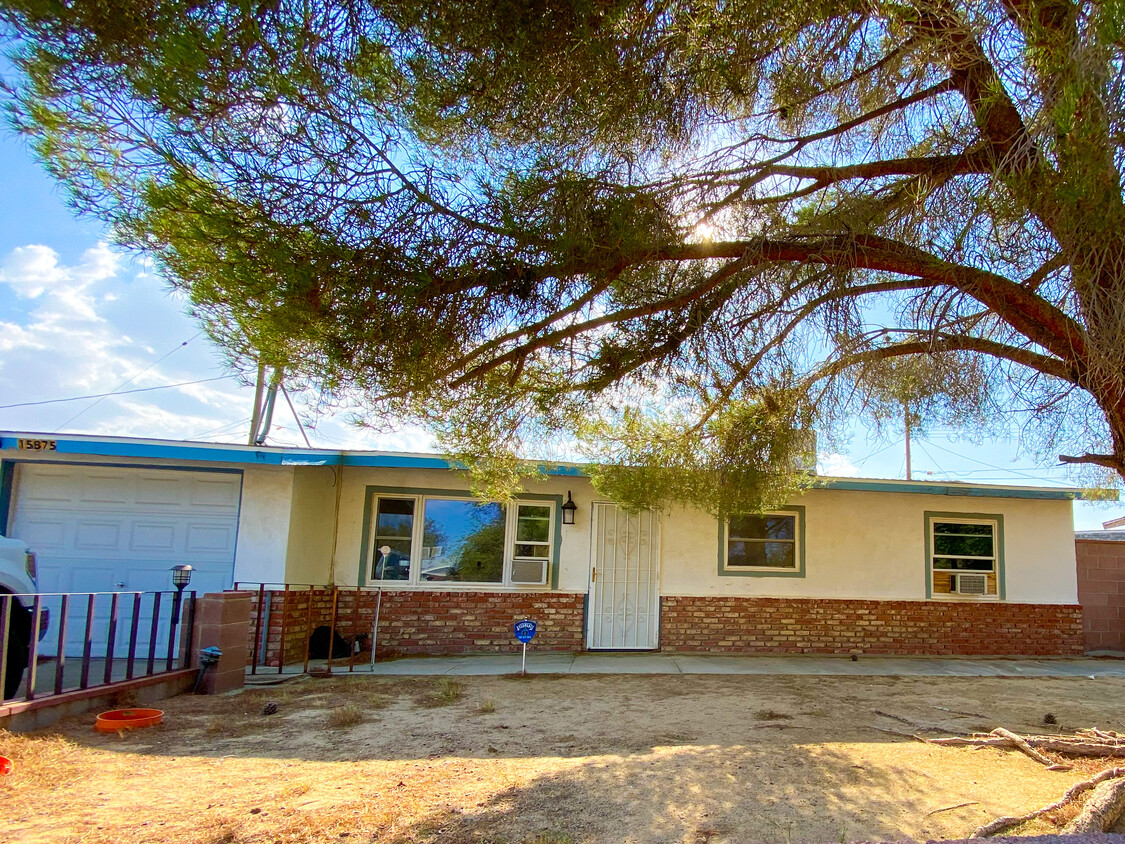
(529, 571)
(970, 584)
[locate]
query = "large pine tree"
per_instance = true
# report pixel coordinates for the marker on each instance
(685, 231)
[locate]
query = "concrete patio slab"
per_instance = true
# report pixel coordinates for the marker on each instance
(624, 663)
(659, 663)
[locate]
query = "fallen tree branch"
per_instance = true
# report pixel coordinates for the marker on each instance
(1023, 745)
(1058, 744)
(1001, 824)
(951, 808)
(1102, 809)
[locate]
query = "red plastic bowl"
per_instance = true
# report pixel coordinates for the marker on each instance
(6, 765)
(127, 719)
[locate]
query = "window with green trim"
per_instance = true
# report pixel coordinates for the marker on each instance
(964, 555)
(768, 542)
(444, 539)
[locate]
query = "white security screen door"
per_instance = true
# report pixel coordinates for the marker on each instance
(624, 607)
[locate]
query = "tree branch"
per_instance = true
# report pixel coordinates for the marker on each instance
(1107, 460)
(956, 343)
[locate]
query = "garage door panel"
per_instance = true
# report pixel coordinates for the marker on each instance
(97, 536)
(159, 491)
(104, 489)
(45, 486)
(209, 539)
(86, 578)
(154, 538)
(43, 534)
(222, 494)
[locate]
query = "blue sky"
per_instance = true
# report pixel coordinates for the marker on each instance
(79, 318)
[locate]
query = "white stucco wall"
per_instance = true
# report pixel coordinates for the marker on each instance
(263, 527)
(312, 525)
(873, 545)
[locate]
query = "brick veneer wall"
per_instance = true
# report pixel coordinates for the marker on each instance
(425, 622)
(1101, 592)
(417, 621)
(797, 625)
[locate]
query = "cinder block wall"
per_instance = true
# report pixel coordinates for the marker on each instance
(929, 628)
(222, 620)
(1101, 592)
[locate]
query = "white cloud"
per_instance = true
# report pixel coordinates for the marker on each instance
(836, 466)
(31, 270)
(92, 327)
(98, 263)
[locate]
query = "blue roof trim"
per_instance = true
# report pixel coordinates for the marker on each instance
(175, 451)
(246, 456)
(947, 489)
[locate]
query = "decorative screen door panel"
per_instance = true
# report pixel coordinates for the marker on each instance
(624, 609)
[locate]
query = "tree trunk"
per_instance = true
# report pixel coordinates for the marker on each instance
(1102, 809)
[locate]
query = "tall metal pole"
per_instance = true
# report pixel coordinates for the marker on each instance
(906, 417)
(271, 400)
(385, 551)
(256, 415)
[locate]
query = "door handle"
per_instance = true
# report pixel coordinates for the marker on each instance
(595, 574)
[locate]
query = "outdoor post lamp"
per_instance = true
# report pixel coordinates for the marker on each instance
(569, 509)
(181, 577)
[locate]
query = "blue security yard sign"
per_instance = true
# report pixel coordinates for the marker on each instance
(525, 632)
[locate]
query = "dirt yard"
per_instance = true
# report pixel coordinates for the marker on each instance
(550, 760)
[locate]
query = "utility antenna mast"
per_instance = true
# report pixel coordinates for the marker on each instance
(906, 418)
(262, 418)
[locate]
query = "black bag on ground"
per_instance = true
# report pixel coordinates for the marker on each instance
(318, 644)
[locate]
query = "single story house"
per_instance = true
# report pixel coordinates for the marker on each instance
(851, 566)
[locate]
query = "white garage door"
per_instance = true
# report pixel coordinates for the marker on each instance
(103, 529)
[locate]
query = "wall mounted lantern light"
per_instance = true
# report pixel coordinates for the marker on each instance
(569, 509)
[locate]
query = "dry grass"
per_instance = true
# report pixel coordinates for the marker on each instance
(450, 691)
(343, 717)
(770, 715)
(562, 761)
(486, 707)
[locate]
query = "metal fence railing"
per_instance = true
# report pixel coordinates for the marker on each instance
(294, 623)
(51, 643)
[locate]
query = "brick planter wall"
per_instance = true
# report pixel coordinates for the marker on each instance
(1101, 592)
(796, 625)
(418, 621)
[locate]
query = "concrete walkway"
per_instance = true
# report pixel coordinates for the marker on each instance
(658, 663)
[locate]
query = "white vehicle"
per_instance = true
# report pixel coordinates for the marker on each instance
(18, 577)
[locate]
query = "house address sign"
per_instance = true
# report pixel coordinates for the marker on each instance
(37, 445)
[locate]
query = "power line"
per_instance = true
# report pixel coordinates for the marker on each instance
(863, 460)
(114, 393)
(115, 390)
(220, 429)
(926, 452)
(998, 468)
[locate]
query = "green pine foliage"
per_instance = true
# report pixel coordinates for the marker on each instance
(675, 236)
